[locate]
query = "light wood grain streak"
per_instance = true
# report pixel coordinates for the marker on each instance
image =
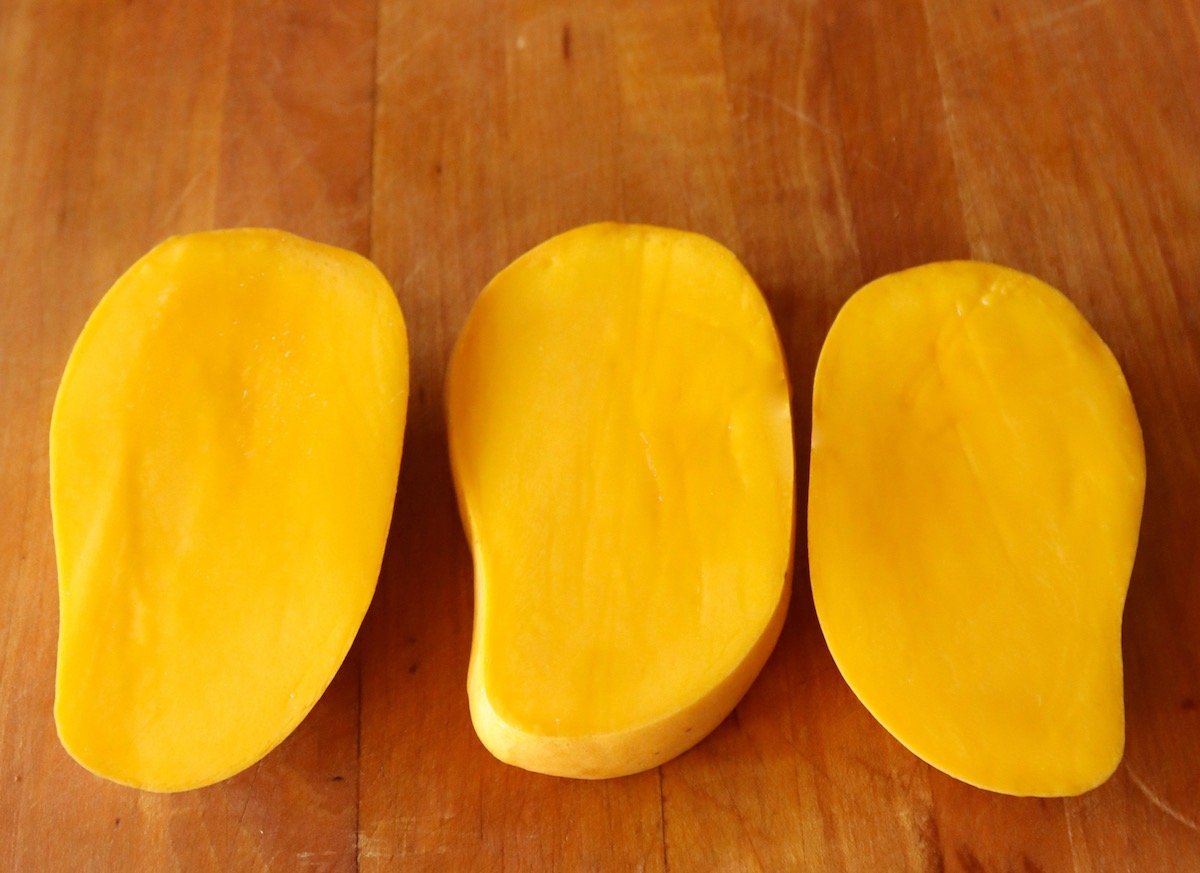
(1158, 802)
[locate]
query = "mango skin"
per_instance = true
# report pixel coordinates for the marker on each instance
(976, 488)
(224, 451)
(620, 436)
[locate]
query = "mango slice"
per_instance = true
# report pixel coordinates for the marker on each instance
(974, 504)
(620, 434)
(224, 451)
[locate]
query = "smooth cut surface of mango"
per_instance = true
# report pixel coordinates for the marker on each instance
(620, 434)
(974, 503)
(224, 452)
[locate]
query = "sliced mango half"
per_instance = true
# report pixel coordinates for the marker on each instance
(974, 504)
(621, 442)
(223, 459)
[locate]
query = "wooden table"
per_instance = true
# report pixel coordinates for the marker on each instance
(824, 142)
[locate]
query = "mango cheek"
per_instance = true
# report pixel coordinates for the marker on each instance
(620, 435)
(974, 503)
(224, 451)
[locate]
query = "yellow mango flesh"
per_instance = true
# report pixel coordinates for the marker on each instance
(620, 434)
(223, 453)
(975, 497)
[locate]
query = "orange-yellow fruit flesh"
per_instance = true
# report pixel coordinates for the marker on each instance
(975, 496)
(621, 441)
(224, 452)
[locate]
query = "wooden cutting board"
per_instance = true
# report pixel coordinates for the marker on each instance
(824, 142)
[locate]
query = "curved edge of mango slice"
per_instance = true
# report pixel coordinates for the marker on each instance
(634, 750)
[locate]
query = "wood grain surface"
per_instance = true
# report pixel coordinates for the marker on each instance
(824, 142)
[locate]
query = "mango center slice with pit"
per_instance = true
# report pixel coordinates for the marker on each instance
(223, 458)
(620, 435)
(974, 503)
